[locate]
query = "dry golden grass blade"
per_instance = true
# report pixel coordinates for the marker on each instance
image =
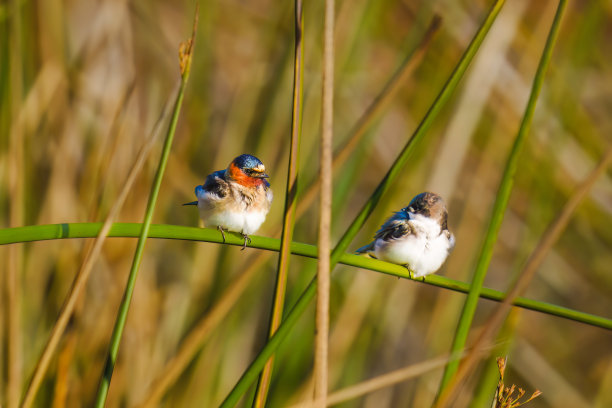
(385, 380)
(325, 211)
(16, 180)
(289, 218)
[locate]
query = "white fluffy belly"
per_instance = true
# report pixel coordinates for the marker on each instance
(245, 222)
(421, 255)
(403, 251)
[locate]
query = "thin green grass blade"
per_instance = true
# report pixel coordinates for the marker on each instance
(185, 56)
(35, 233)
(263, 385)
(501, 202)
(440, 101)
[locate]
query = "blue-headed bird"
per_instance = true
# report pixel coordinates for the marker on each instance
(237, 198)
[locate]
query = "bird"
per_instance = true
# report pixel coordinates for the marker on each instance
(417, 236)
(235, 199)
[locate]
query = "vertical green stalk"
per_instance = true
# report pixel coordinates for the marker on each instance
(290, 202)
(257, 365)
(535, 260)
(501, 202)
(185, 56)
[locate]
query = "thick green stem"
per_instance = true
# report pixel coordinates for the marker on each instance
(36, 233)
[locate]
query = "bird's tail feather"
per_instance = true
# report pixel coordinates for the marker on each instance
(191, 203)
(366, 249)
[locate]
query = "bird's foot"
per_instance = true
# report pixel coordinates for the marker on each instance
(246, 239)
(410, 272)
(220, 228)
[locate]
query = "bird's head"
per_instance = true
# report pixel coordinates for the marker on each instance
(429, 205)
(248, 170)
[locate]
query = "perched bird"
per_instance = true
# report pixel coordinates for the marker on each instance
(237, 198)
(416, 236)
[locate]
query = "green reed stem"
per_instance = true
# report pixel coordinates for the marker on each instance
(35, 233)
(263, 385)
(185, 57)
(501, 202)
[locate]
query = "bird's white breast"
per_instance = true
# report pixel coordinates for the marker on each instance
(423, 252)
(230, 215)
(246, 222)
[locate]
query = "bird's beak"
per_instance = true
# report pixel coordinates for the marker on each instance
(261, 175)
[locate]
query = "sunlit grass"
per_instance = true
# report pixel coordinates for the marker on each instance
(83, 88)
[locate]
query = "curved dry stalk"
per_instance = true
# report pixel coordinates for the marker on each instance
(387, 380)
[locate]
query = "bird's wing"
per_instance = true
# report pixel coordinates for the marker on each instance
(215, 184)
(397, 226)
(366, 249)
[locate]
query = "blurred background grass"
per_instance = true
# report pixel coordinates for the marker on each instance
(82, 84)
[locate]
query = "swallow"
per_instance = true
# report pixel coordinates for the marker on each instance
(235, 199)
(417, 236)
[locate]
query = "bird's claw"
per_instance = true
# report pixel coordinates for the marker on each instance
(222, 233)
(246, 239)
